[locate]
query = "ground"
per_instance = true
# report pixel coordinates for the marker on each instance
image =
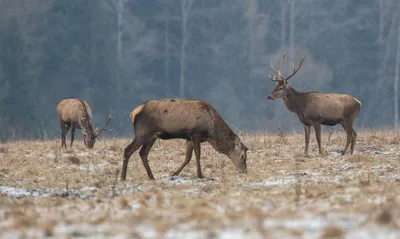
(49, 192)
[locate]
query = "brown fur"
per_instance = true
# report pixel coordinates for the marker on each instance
(193, 120)
(75, 113)
(316, 109)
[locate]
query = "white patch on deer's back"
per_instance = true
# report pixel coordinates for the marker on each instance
(135, 111)
(356, 100)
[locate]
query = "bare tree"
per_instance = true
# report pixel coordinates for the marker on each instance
(251, 14)
(186, 6)
(283, 21)
(292, 26)
(166, 50)
(396, 82)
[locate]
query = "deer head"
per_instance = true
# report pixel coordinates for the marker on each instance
(282, 84)
(238, 155)
(90, 138)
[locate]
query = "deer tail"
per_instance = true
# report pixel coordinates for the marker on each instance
(357, 100)
(134, 112)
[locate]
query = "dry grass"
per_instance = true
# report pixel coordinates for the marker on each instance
(77, 192)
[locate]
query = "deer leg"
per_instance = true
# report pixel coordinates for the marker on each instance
(307, 129)
(197, 150)
(128, 151)
(349, 135)
(72, 134)
(317, 128)
(144, 152)
(353, 141)
(188, 157)
(64, 131)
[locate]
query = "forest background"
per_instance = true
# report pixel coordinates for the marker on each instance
(116, 54)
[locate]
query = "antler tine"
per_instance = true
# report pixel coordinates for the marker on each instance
(272, 78)
(281, 65)
(278, 71)
(275, 78)
(273, 68)
(294, 68)
(110, 117)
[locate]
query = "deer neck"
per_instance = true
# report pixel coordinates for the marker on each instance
(293, 100)
(222, 139)
(85, 123)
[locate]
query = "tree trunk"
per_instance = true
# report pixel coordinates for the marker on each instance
(283, 22)
(292, 27)
(396, 83)
(251, 13)
(185, 8)
(119, 12)
(119, 32)
(166, 52)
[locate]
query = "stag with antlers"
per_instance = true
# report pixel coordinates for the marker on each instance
(75, 113)
(315, 108)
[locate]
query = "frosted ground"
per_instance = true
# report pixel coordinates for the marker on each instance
(49, 192)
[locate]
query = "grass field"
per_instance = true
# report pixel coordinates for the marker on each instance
(49, 192)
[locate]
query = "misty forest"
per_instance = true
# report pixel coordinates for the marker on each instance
(117, 54)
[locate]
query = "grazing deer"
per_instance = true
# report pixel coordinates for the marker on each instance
(315, 108)
(193, 120)
(75, 113)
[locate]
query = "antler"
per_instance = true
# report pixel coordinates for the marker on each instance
(279, 71)
(110, 117)
(294, 68)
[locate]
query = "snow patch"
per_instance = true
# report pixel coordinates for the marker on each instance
(292, 180)
(347, 166)
(91, 166)
(176, 180)
(83, 193)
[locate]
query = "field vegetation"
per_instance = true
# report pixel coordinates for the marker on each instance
(49, 192)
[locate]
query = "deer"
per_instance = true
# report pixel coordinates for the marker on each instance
(193, 120)
(315, 108)
(76, 113)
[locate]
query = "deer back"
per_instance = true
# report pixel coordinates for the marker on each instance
(177, 114)
(75, 111)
